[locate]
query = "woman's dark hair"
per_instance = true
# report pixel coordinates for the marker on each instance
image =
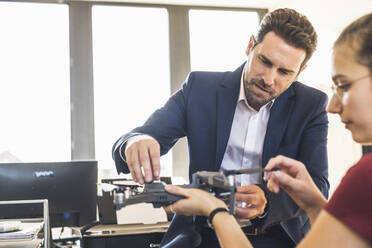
(359, 35)
(292, 27)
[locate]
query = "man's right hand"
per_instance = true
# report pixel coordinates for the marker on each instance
(143, 151)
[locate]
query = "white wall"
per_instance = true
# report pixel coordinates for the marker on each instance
(329, 18)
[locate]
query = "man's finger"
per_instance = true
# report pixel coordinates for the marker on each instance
(131, 172)
(144, 160)
(154, 152)
(252, 199)
(129, 155)
(246, 213)
(136, 167)
(248, 189)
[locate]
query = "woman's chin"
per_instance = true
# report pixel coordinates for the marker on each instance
(362, 139)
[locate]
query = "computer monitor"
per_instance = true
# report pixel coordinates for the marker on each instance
(70, 188)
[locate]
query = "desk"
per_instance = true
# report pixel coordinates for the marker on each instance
(35, 243)
(128, 235)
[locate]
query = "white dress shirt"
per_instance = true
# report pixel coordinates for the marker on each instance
(245, 145)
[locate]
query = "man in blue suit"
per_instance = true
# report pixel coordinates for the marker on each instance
(241, 119)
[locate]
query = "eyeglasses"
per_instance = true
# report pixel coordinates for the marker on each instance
(339, 88)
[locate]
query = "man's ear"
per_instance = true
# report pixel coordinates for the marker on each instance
(301, 70)
(250, 46)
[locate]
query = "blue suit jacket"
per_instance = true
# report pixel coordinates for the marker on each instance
(203, 111)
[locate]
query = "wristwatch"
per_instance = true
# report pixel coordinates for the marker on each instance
(213, 213)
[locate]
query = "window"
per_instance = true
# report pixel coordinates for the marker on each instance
(131, 73)
(34, 89)
(219, 38)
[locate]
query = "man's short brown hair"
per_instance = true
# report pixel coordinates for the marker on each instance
(292, 27)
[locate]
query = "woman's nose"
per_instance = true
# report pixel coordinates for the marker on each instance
(334, 105)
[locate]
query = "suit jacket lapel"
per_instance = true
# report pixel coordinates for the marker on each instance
(280, 113)
(227, 97)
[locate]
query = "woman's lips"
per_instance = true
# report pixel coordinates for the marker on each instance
(348, 124)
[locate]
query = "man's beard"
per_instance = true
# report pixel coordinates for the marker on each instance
(257, 99)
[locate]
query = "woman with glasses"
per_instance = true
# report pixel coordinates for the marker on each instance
(346, 220)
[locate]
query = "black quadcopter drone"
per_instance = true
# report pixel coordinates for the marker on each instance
(181, 233)
(221, 184)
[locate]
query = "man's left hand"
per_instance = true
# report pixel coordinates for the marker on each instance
(254, 199)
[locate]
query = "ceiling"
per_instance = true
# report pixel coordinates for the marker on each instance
(217, 3)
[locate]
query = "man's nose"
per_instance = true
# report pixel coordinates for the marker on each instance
(269, 77)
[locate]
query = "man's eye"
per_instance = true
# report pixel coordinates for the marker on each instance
(345, 87)
(265, 62)
(283, 72)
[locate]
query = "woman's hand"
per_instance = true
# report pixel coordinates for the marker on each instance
(200, 202)
(197, 202)
(296, 181)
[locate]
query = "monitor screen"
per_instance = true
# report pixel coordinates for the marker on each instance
(70, 188)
